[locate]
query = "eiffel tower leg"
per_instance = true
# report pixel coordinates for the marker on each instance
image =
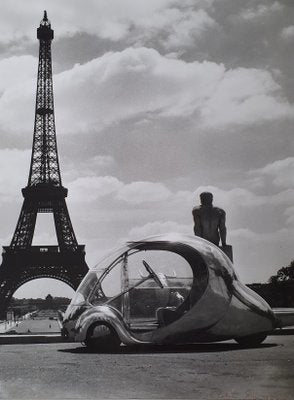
(6, 292)
(64, 230)
(25, 227)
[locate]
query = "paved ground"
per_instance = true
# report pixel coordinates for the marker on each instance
(209, 371)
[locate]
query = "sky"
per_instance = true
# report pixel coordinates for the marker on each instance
(155, 102)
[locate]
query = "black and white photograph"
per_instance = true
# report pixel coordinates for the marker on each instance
(147, 199)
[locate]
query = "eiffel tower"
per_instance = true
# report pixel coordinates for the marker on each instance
(44, 193)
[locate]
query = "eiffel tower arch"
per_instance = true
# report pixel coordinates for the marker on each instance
(44, 193)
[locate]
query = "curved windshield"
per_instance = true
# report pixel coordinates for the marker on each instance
(91, 280)
(85, 288)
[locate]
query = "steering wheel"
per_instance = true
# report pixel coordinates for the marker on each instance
(152, 274)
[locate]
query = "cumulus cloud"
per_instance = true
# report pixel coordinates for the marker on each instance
(108, 19)
(287, 33)
(91, 188)
(158, 227)
(16, 69)
(66, 16)
(138, 192)
(281, 172)
(278, 178)
(18, 100)
(17, 89)
(140, 81)
(290, 214)
(88, 189)
(279, 235)
(175, 28)
(283, 198)
(11, 183)
(261, 11)
(99, 161)
(122, 85)
(91, 166)
(245, 96)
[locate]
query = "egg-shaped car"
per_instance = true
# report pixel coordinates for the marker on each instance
(167, 289)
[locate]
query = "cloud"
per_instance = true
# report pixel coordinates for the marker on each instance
(278, 175)
(140, 192)
(126, 84)
(281, 172)
(175, 28)
(279, 235)
(139, 81)
(108, 19)
(92, 188)
(88, 189)
(282, 198)
(158, 227)
(66, 16)
(14, 70)
(88, 167)
(290, 213)
(287, 33)
(11, 183)
(261, 11)
(114, 193)
(99, 161)
(18, 100)
(245, 96)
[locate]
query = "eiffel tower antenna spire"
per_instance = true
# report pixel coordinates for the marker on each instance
(44, 193)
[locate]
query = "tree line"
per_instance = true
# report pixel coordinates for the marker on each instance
(24, 306)
(279, 290)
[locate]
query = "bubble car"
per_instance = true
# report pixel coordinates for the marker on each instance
(168, 289)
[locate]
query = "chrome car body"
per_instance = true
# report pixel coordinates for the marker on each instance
(163, 290)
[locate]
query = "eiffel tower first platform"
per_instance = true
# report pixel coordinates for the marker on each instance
(44, 193)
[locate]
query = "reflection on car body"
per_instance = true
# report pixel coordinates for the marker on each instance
(167, 289)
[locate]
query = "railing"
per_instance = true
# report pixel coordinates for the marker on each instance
(40, 249)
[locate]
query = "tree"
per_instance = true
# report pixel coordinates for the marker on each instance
(284, 274)
(48, 301)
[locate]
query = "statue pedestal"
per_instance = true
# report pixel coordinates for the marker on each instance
(228, 250)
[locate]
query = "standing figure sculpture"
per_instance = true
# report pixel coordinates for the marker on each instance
(210, 221)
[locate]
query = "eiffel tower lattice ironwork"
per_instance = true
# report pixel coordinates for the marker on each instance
(44, 193)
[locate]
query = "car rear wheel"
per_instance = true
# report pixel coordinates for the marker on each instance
(102, 338)
(251, 340)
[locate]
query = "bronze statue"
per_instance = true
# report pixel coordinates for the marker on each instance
(210, 221)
